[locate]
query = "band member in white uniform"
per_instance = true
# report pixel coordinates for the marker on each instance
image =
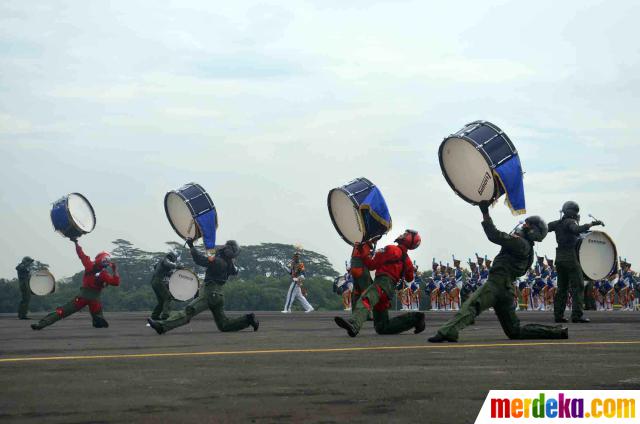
(296, 271)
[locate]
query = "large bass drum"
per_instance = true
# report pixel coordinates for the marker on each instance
(73, 216)
(597, 254)
(192, 214)
(183, 284)
(480, 163)
(42, 283)
(358, 211)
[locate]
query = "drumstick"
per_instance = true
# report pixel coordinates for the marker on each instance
(595, 219)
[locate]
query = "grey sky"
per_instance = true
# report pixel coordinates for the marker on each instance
(269, 105)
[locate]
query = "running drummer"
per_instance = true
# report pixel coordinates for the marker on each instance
(161, 271)
(219, 268)
(514, 259)
(95, 278)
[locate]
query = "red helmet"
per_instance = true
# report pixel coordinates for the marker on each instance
(409, 239)
(102, 259)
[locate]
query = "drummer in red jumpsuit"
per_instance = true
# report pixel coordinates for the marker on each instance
(391, 264)
(95, 278)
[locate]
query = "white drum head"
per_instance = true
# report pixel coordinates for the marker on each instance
(597, 255)
(346, 216)
(180, 216)
(81, 212)
(42, 283)
(467, 170)
(183, 284)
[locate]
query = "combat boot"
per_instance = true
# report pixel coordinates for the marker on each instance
(343, 323)
(421, 324)
(253, 321)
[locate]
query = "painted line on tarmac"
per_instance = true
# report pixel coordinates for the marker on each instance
(317, 350)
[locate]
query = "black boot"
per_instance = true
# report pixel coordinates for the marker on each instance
(561, 320)
(581, 320)
(439, 338)
(36, 326)
(156, 326)
(343, 323)
(421, 324)
(253, 321)
(564, 334)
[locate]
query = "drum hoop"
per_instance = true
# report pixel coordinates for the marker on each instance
(446, 177)
(333, 220)
(614, 267)
(49, 274)
(93, 213)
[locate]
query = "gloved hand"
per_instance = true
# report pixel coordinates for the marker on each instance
(74, 239)
(484, 206)
(190, 242)
(597, 222)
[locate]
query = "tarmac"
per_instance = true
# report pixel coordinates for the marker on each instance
(297, 367)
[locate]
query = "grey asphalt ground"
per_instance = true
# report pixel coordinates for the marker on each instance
(410, 381)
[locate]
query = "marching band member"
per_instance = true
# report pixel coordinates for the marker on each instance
(24, 269)
(570, 275)
(391, 264)
(296, 270)
(515, 257)
(219, 268)
(161, 271)
(95, 278)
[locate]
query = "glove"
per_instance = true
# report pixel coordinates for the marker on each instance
(190, 242)
(597, 222)
(74, 239)
(484, 206)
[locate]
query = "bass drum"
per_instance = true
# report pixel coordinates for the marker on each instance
(183, 284)
(42, 283)
(73, 216)
(192, 214)
(597, 254)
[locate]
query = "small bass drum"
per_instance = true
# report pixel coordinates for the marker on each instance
(597, 254)
(42, 283)
(183, 284)
(73, 216)
(358, 211)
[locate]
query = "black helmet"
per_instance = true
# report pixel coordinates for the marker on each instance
(172, 256)
(27, 259)
(536, 228)
(230, 249)
(570, 209)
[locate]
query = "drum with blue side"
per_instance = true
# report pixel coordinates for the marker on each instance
(358, 211)
(192, 214)
(481, 163)
(73, 216)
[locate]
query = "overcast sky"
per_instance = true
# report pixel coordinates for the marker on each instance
(269, 105)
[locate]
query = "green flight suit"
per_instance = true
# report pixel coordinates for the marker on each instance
(381, 321)
(570, 276)
(210, 297)
(515, 257)
(24, 275)
(161, 290)
(361, 283)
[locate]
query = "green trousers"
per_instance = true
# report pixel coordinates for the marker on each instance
(210, 297)
(359, 286)
(163, 297)
(589, 299)
(376, 298)
(86, 297)
(497, 293)
(569, 278)
(25, 291)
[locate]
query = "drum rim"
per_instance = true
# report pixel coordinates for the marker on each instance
(177, 192)
(50, 274)
(614, 267)
(65, 199)
(191, 272)
(333, 220)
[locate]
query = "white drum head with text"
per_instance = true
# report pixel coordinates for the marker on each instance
(183, 284)
(81, 212)
(180, 216)
(346, 216)
(467, 170)
(597, 255)
(42, 283)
